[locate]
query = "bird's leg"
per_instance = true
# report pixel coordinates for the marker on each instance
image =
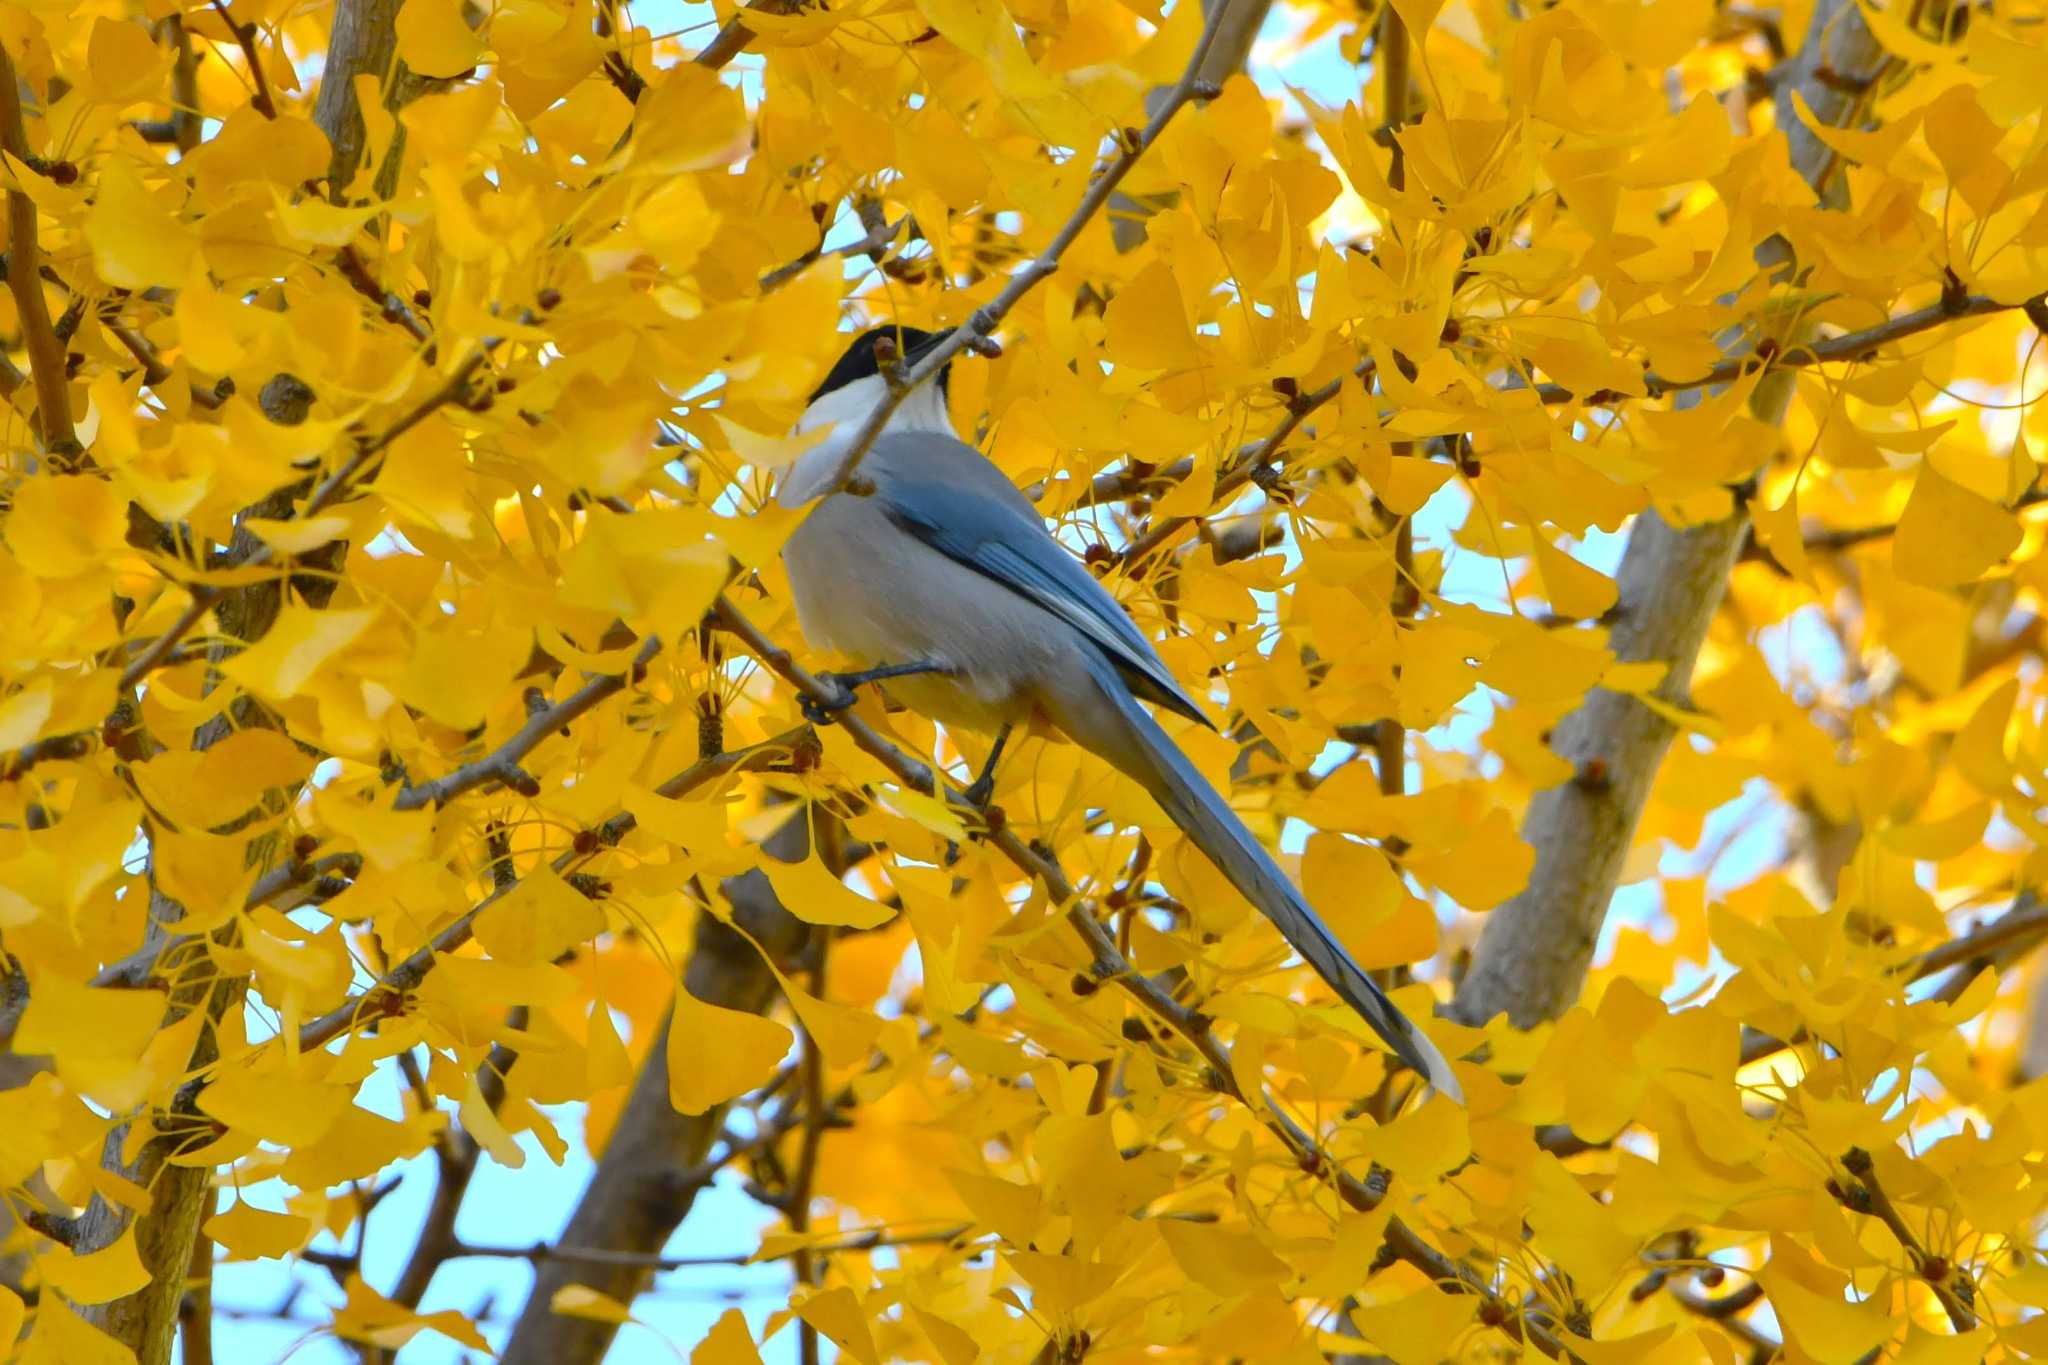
(822, 711)
(985, 785)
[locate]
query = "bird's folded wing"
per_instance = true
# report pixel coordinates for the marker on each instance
(939, 497)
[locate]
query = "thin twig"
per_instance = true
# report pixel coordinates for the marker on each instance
(388, 304)
(1943, 1277)
(1861, 345)
(245, 35)
(1110, 965)
(24, 278)
(1849, 537)
(868, 1241)
(976, 331)
(2020, 927)
(388, 992)
(1248, 465)
(502, 763)
(733, 39)
(868, 245)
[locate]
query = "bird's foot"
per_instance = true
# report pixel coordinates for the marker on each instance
(825, 710)
(980, 790)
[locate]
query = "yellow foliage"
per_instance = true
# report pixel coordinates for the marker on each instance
(396, 698)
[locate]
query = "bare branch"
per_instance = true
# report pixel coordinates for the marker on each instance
(641, 1260)
(245, 34)
(879, 238)
(502, 763)
(733, 39)
(1951, 1284)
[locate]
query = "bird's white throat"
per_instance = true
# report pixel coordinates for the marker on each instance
(845, 410)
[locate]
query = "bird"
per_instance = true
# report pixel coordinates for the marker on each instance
(932, 569)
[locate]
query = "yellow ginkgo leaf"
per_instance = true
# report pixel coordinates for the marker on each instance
(538, 920)
(62, 526)
(716, 1054)
(253, 1233)
(815, 896)
(137, 242)
(115, 1271)
(727, 1343)
(434, 40)
(1949, 535)
(1148, 324)
(301, 642)
(839, 1315)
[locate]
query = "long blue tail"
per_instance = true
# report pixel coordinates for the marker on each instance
(1148, 754)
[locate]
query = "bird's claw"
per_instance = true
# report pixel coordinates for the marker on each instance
(980, 790)
(825, 710)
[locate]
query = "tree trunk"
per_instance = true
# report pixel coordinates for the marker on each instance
(638, 1198)
(1532, 957)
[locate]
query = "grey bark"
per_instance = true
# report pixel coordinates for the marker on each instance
(1532, 957)
(642, 1189)
(364, 41)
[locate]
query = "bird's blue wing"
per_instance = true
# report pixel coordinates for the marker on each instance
(949, 496)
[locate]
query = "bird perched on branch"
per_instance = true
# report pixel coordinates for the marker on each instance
(930, 567)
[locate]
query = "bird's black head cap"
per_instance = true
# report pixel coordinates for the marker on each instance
(858, 361)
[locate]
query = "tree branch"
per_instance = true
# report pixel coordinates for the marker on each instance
(733, 39)
(1531, 959)
(24, 278)
(1110, 965)
(656, 1162)
(502, 763)
(1950, 1283)
(1850, 346)
(245, 35)
(388, 992)
(977, 329)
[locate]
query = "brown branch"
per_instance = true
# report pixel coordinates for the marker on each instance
(388, 304)
(880, 237)
(1849, 537)
(49, 749)
(1950, 1283)
(975, 332)
(502, 763)
(733, 39)
(1109, 965)
(2019, 929)
(184, 123)
(195, 1310)
(245, 35)
(24, 278)
(387, 993)
(658, 1160)
(1251, 464)
(1851, 346)
(206, 595)
(1532, 956)
(867, 1241)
